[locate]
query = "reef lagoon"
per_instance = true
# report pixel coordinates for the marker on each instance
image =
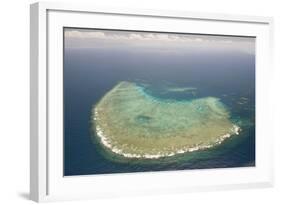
(131, 123)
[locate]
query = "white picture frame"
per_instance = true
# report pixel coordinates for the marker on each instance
(47, 182)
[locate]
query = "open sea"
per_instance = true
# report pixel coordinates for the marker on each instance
(90, 73)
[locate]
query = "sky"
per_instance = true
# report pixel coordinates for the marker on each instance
(155, 41)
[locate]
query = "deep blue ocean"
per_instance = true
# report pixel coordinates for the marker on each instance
(90, 73)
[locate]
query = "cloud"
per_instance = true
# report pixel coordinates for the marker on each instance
(79, 34)
(110, 35)
(109, 38)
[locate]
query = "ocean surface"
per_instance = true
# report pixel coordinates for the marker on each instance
(90, 73)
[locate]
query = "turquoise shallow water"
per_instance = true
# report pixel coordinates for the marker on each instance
(134, 124)
(229, 77)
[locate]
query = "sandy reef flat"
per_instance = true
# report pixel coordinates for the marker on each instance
(131, 123)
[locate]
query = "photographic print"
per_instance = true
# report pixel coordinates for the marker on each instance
(138, 101)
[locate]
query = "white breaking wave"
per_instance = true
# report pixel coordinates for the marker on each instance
(106, 142)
